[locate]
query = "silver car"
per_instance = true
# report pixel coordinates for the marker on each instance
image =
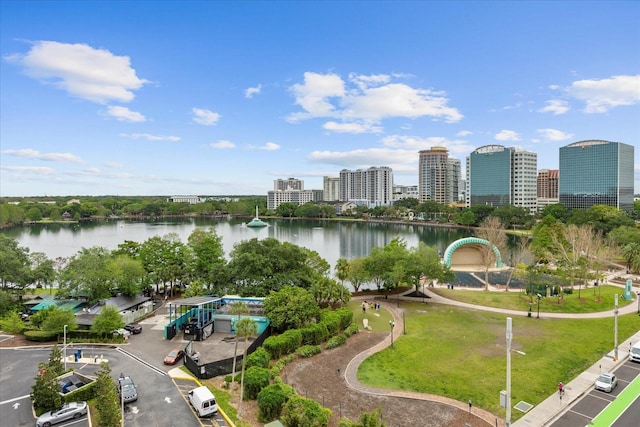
(606, 382)
(68, 411)
(127, 389)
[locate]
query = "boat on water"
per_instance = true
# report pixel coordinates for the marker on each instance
(256, 222)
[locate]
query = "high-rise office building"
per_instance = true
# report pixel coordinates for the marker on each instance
(438, 176)
(547, 187)
(367, 187)
(596, 172)
(499, 176)
(331, 187)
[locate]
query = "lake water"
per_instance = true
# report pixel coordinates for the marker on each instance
(331, 239)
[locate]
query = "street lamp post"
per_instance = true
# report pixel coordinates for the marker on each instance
(509, 336)
(638, 298)
(539, 298)
(64, 346)
(391, 325)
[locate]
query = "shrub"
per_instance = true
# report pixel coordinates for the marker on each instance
(281, 363)
(260, 357)
(351, 330)
(271, 400)
(315, 334)
(41, 336)
(336, 341)
(300, 411)
(285, 343)
(332, 321)
(308, 350)
(255, 379)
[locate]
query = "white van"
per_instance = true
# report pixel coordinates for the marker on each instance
(634, 353)
(203, 401)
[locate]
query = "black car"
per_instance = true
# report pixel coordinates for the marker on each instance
(134, 328)
(127, 389)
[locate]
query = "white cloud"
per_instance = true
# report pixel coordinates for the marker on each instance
(39, 170)
(205, 117)
(555, 106)
(222, 145)
(352, 127)
(270, 146)
(150, 137)
(125, 115)
(602, 95)
(95, 75)
(464, 133)
(312, 95)
(371, 99)
(554, 87)
(250, 92)
(554, 134)
(507, 135)
(28, 153)
(113, 165)
(416, 143)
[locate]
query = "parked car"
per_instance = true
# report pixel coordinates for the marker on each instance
(134, 328)
(173, 357)
(68, 411)
(127, 389)
(606, 382)
(125, 334)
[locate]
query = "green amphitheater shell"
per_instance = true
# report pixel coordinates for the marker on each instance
(470, 241)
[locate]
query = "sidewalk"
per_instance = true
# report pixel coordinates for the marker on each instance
(550, 409)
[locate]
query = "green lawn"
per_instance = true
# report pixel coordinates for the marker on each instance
(462, 353)
(593, 299)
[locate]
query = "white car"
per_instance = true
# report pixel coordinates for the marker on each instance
(68, 411)
(606, 382)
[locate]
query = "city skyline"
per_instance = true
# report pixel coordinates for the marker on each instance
(172, 98)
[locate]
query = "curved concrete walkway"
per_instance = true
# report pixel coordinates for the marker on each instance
(350, 374)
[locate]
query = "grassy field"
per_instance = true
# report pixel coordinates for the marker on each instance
(462, 353)
(593, 299)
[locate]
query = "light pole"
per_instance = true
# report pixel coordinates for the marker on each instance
(615, 327)
(391, 325)
(638, 298)
(539, 298)
(64, 346)
(507, 405)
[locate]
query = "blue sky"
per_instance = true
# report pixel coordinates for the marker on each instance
(206, 98)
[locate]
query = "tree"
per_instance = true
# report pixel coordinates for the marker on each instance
(342, 270)
(127, 274)
(520, 251)
(422, 263)
(631, 254)
(45, 391)
(208, 262)
(290, 308)
(164, 259)
(327, 292)
(42, 269)
(382, 260)
(56, 319)
(87, 273)
(107, 321)
(367, 419)
(56, 363)
(238, 308)
(108, 405)
(358, 274)
(14, 264)
(246, 327)
(492, 231)
(286, 209)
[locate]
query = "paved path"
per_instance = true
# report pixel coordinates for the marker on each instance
(543, 413)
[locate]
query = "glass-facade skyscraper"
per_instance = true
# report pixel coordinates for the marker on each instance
(596, 172)
(499, 176)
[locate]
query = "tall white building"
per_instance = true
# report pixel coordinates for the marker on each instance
(367, 187)
(331, 188)
(288, 190)
(499, 176)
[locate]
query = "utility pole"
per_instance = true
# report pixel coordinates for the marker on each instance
(615, 328)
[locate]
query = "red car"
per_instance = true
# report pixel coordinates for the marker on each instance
(173, 357)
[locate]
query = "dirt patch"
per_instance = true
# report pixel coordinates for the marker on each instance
(321, 378)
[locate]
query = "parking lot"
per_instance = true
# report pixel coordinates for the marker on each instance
(161, 399)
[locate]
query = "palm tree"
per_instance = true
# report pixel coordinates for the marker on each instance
(342, 273)
(246, 327)
(238, 308)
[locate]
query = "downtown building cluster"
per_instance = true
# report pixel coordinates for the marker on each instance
(591, 172)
